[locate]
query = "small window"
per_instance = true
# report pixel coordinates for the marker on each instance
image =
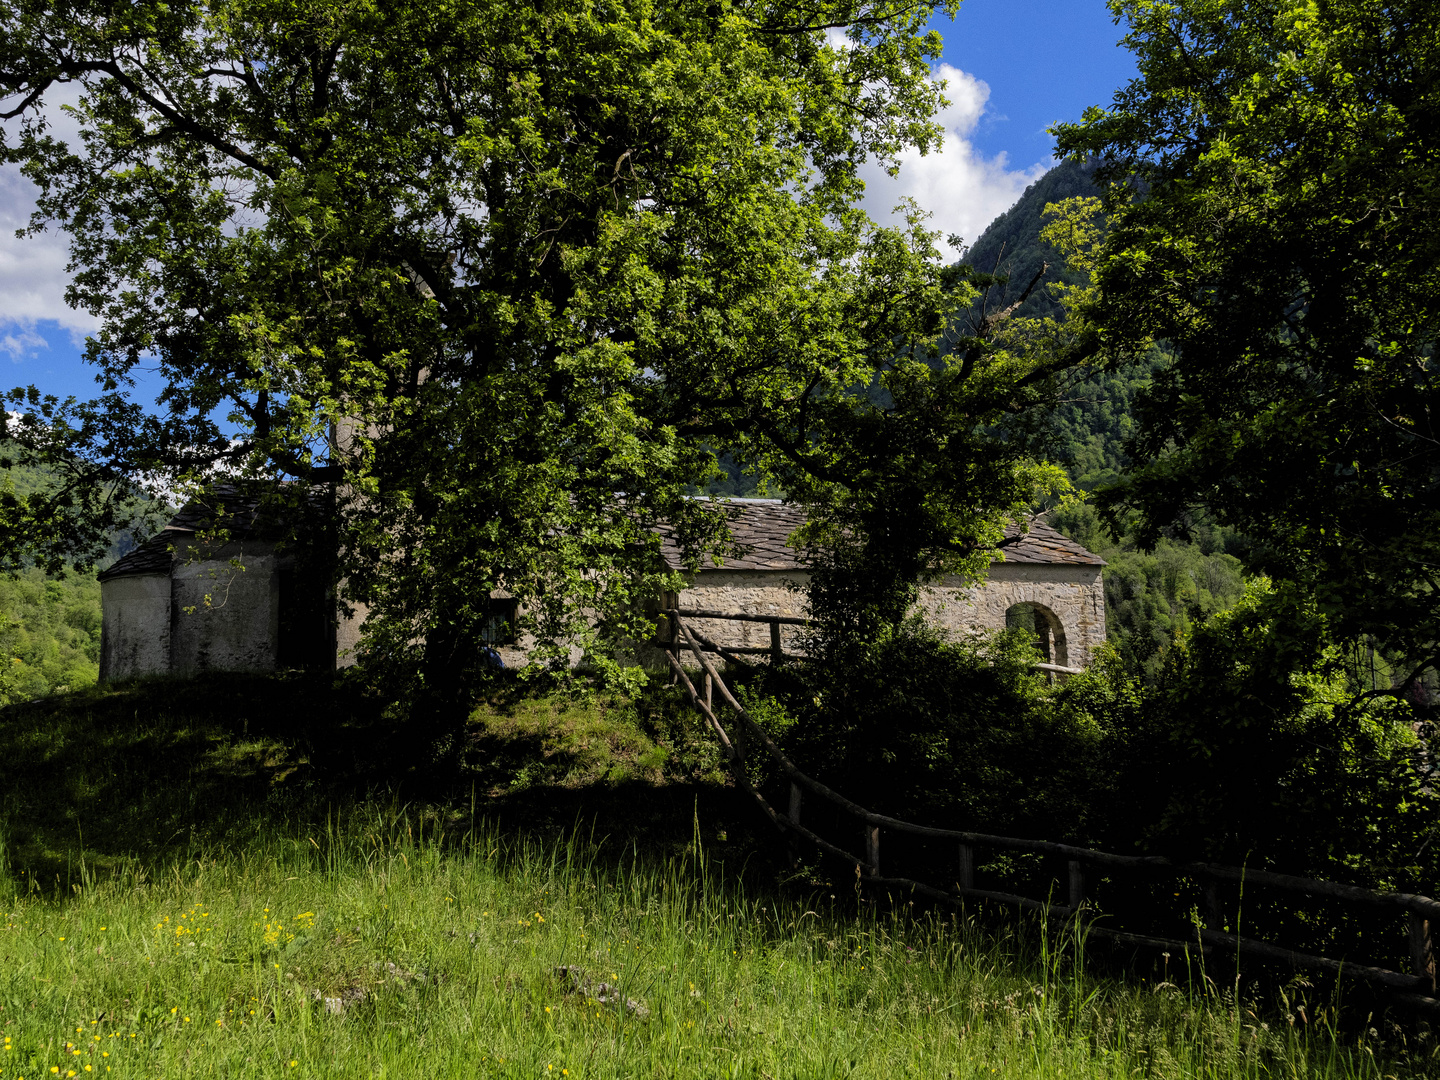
(499, 625)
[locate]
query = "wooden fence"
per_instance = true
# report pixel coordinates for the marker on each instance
(774, 651)
(1416, 988)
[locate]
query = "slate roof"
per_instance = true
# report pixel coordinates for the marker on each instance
(1042, 544)
(151, 557)
(236, 506)
(764, 527)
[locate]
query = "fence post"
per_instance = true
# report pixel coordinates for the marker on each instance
(967, 867)
(1214, 918)
(1077, 885)
(872, 848)
(795, 797)
(709, 689)
(1422, 948)
(775, 653)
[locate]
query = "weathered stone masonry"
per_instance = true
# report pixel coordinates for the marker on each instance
(156, 620)
(1056, 576)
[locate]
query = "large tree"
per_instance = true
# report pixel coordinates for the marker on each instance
(497, 280)
(1274, 182)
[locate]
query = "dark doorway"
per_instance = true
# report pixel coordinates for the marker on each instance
(306, 637)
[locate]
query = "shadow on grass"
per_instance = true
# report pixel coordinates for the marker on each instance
(158, 771)
(140, 778)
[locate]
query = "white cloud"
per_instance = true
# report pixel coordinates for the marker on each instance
(22, 342)
(961, 188)
(32, 269)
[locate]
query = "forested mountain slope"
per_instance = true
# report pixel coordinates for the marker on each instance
(1011, 246)
(1150, 597)
(49, 634)
(50, 626)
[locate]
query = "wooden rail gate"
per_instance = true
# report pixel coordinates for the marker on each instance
(1416, 988)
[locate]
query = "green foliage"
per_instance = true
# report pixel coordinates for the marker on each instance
(49, 634)
(1153, 597)
(50, 617)
(1094, 419)
(737, 482)
(939, 731)
(1241, 741)
(583, 740)
(1251, 747)
(1285, 250)
(62, 507)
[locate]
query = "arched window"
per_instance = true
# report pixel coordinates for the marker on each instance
(1046, 628)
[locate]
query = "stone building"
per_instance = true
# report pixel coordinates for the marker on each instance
(1045, 583)
(197, 598)
(215, 590)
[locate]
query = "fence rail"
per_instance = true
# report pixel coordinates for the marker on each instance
(1416, 988)
(774, 650)
(739, 616)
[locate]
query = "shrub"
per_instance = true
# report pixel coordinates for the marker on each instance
(939, 731)
(1252, 745)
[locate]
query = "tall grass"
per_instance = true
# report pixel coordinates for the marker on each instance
(394, 942)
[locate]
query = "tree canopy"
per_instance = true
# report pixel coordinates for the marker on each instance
(500, 282)
(1271, 177)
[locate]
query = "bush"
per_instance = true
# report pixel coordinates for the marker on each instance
(1249, 747)
(1252, 745)
(937, 731)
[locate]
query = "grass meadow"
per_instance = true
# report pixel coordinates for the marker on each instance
(213, 880)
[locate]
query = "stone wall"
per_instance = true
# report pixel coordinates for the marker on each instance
(1071, 597)
(753, 592)
(224, 618)
(161, 624)
(146, 629)
(347, 634)
(134, 626)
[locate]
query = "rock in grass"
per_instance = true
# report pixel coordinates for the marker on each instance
(337, 1004)
(603, 993)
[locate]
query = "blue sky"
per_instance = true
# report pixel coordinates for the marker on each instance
(1013, 68)
(1044, 61)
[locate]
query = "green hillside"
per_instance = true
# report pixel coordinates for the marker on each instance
(1011, 246)
(49, 634)
(50, 626)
